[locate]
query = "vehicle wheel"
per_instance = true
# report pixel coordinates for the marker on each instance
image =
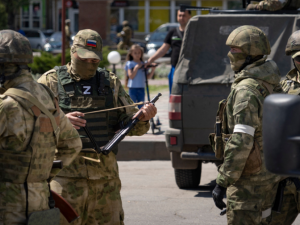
(188, 178)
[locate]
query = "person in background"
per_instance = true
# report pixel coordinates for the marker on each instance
(274, 5)
(174, 40)
(135, 72)
(126, 35)
(68, 33)
(20, 31)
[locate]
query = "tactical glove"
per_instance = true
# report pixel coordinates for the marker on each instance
(218, 195)
(252, 7)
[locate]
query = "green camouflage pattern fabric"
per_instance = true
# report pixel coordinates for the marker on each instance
(291, 199)
(293, 45)
(250, 39)
(244, 106)
(290, 206)
(96, 201)
(245, 203)
(126, 35)
(83, 48)
(96, 175)
(251, 189)
(14, 48)
(17, 126)
(274, 5)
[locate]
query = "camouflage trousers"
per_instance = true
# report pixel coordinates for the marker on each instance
(124, 45)
(248, 204)
(13, 201)
(98, 202)
(290, 207)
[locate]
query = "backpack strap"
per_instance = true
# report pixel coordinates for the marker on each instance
(26, 95)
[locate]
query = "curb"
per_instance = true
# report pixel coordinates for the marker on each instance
(142, 149)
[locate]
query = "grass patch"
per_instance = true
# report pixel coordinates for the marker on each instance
(157, 88)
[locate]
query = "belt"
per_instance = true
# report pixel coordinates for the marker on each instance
(266, 213)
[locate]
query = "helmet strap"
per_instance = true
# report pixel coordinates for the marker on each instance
(249, 60)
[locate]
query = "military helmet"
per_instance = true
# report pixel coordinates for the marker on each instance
(293, 45)
(250, 39)
(14, 48)
(125, 23)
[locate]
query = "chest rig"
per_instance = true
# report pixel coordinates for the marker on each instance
(33, 164)
(222, 134)
(292, 5)
(86, 96)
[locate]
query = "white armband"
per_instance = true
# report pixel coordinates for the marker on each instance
(241, 128)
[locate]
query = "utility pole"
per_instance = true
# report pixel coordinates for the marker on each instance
(63, 31)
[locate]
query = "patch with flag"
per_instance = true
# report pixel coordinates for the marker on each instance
(91, 43)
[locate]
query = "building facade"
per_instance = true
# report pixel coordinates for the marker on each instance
(106, 16)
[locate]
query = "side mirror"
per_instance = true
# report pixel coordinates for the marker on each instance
(281, 134)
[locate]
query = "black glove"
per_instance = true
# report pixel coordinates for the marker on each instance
(218, 195)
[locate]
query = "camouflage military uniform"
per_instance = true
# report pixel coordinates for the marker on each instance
(250, 187)
(67, 33)
(92, 188)
(274, 5)
(27, 140)
(291, 85)
(126, 35)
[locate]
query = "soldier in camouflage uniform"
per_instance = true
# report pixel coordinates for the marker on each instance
(93, 188)
(274, 5)
(126, 35)
(291, 85)
(250, 187)
(32, 127)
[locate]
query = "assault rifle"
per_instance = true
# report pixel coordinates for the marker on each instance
(123, 132)
(64, 207)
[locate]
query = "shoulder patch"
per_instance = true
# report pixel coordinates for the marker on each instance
(50, 71)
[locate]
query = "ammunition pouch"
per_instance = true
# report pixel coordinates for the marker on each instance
(45, 217)
(254, 162)
(219, 138)
(218, 144)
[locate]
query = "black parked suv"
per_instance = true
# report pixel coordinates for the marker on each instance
(203, 77)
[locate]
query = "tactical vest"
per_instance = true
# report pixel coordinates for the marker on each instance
(292, 5)
(86, 96)
(219, 139)
(33, 164)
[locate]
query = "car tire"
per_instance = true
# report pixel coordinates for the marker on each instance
(188, 178)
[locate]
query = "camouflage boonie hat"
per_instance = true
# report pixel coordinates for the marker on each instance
(125, 23)
(250, 39)
(14, 48)
(293, 45)
(88, 44)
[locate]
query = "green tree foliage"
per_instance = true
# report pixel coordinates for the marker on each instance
(3, 17)
(12, 7)
(47, 61)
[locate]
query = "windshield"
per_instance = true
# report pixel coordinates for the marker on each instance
(56, 36)
(158, 36)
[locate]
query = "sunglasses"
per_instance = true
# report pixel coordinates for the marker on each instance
(297, 58)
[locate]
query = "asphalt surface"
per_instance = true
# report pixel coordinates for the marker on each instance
(150, 196)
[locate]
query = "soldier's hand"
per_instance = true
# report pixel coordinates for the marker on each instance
(252, 7)
(149, 111)
(77, 122)
(218, 195)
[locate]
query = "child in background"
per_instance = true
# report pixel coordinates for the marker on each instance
(136, 73)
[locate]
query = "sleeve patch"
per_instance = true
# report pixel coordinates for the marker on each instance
(239, 107)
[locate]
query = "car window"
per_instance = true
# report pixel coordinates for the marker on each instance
(162, 29)
(56, 37)
(158, 36)
(32, 34)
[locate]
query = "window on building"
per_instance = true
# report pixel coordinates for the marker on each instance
(218, 4)
(159, 14)
(31, 15)
(235, 5)
(136, 18)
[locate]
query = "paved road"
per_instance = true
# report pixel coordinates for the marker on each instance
(151, 197)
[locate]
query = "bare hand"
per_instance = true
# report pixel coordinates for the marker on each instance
(77, 122)
(149, 111)
(148, 63)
